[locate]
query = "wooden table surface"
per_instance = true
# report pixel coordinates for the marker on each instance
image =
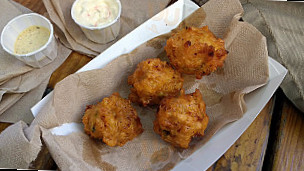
(274, 141)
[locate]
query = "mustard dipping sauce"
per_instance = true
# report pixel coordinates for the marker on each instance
(95, 13)
(31, 39)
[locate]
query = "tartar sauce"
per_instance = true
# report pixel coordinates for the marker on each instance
(95, 13)
(31, 39)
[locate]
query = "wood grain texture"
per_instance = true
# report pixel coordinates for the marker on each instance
(247, 153)
(35, 5)
(289, 146)
(73, 63)
(3, 126)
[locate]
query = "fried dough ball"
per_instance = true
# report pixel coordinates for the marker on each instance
(152, 80)
(180, 118)
(196, 51)
(113, 120)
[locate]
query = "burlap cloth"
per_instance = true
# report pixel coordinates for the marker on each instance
(283, 25)
(245, 69)
(21, 86)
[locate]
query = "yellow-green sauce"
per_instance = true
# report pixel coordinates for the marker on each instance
(31, 39)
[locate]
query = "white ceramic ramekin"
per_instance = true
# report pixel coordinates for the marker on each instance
(39, 58)
(102, 34)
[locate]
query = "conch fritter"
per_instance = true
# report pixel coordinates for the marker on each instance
(113, 120)
(196, 51)
(153, 80)
(180, 118)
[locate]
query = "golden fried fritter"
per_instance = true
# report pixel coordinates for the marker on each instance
(180, 118)
(196, 51)
(113, 120)
(152, 80)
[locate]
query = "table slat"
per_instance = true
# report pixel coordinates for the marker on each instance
(35, 5)
(247, 153)
(288, 147)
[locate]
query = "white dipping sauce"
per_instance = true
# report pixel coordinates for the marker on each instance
(95, 13)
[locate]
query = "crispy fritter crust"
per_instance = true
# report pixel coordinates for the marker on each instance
(113, 120)
(152, 80)
(196, 51)
(181, 118)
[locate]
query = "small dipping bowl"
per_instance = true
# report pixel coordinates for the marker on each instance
(101, 34)
(38, 58)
